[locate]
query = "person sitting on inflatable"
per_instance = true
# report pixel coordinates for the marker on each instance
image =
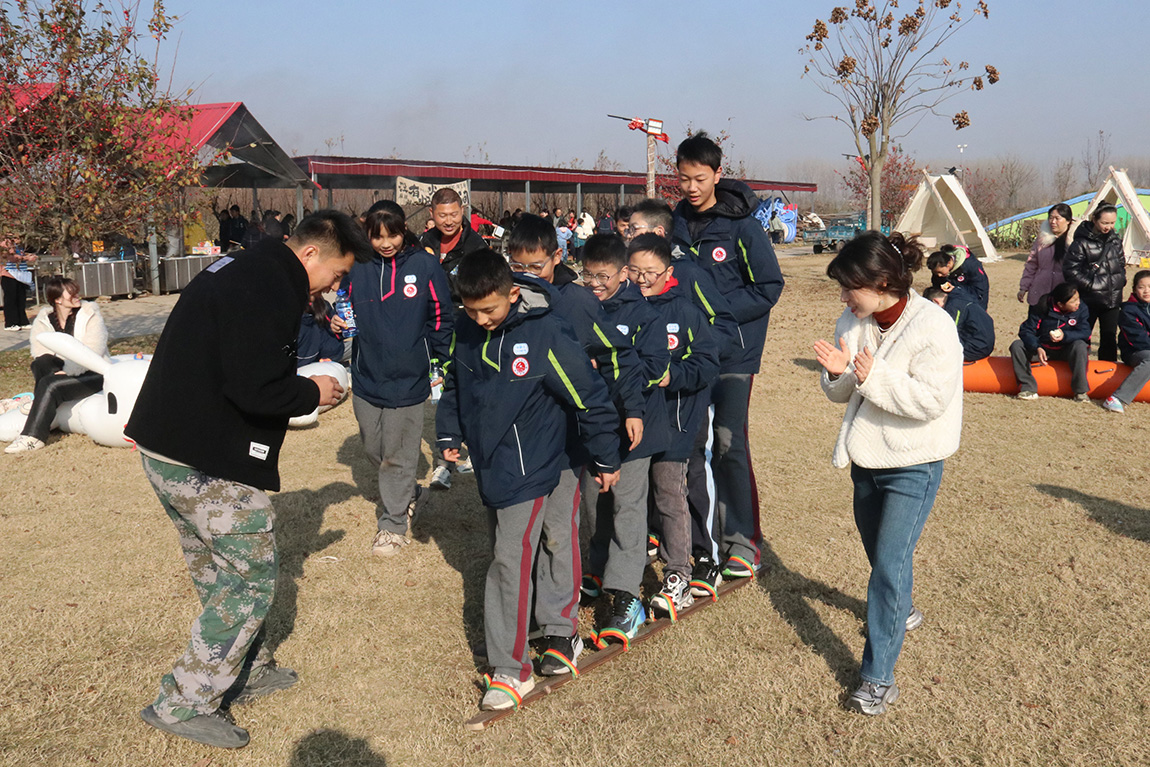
(57, 380)
(1058, 329)
(1134, 343)
(975, 326)
(956, 265)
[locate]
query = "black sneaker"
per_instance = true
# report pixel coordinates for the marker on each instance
(272, 679)
(561, 656)
(210, 729)
(627, 616)
(706, 578)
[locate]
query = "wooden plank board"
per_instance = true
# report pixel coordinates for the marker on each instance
(588, 662)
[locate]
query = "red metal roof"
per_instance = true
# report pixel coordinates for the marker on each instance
(361, 166)
(25, 97)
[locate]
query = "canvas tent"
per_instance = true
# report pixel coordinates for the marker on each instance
(940, 213)
(1117, 190)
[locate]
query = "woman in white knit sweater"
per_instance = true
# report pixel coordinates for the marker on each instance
(57, 380)
(897, 364)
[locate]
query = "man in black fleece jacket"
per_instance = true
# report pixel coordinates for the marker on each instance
(209, 423)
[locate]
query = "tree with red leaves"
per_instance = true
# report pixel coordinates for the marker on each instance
(900, 177)
(90, 143)
(887, 73)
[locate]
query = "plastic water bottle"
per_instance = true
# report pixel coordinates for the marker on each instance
(436, 373)
(346, 313)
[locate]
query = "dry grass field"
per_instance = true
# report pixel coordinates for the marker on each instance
(1033, 573)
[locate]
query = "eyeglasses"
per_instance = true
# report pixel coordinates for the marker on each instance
(633, 229)
(639, 276)
(534, 268)
(598, 279)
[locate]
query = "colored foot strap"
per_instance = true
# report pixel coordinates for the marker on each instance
(614, 634)
(564, 660)
(707, 588)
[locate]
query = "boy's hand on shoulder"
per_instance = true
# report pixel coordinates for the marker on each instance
(634, 432)
(330, 392)
(451, 454)
(606, 481)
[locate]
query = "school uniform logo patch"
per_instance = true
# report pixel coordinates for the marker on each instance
(1072, 322)
(623, 329)
(672, 327)
(672, 341)
(519, 349)
(961, 278)
(719, 254)
(410, 278)
(410, 290)
(519, 366)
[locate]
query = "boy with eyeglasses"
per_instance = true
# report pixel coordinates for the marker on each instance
(687, 397)
(618, 551)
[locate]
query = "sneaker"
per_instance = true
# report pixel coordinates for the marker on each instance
(627, 617)
(210, 729)
(23, 444)
(272, 679)
(706, 578)
(417, 500)
(9, 404)
(652, 544)
(387, 543)
(504, 692)
(1082, 397)
(591, 587)
(674, 597)
(561, 656)
(1028, 395)
(914, 620)
(872, 699)
(737, 567)
(1113, 404)
(441, 478)
(464, 466)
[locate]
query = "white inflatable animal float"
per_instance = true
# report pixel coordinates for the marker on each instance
(103, 415)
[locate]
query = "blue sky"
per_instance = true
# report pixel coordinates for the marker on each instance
(529, 83)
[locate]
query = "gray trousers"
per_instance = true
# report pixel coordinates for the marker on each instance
(618, 522)
(391, 437)
(737, 493)
(1077, 354)
(1138, 377)
(535, 558)
(672, 518)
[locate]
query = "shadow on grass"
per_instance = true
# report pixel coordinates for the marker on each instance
(299, 516)
(790, 593)
(332, 748)
(805, 364)
(1120, 518)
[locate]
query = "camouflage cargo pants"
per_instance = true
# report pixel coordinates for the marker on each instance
(226, 532)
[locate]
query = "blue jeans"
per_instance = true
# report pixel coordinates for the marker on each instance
(891, 506)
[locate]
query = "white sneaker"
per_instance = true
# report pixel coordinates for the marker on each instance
(23, 444)
(465, 467)
(505, 692)
(387, 543)
(441, 478)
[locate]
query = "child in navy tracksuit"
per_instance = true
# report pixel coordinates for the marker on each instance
(686, 396)
(403, 311)
(1134, 343)
(1057, 329)
(516, 371)
(316, 341)
(954, 264)
(618, 551)
(714, 226)
(975, 326)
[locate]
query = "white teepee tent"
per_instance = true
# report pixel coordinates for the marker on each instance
(940, 213)
(1117, 190)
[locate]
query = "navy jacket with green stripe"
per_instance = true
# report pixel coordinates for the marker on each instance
(630, 314)
(731, 245)
(508, 394)
(694, 366)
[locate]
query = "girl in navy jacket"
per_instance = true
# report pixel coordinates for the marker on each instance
(1133, 343)
(1057, 329)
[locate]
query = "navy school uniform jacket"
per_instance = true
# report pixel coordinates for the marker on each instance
(731, 245)
(222, 384)
(403, 312)
(975, 326)
(694, 366)
(615, 357)
(316, 342)
(1134, 327)
(1035, 331)
(629, 313)
(970, 275)
(507, 393)
(699, 287)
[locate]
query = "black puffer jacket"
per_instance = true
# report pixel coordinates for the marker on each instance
(1095, 263)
